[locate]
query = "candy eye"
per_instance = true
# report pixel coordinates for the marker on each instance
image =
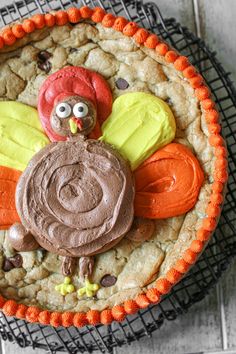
(80, 110)
(63, 110)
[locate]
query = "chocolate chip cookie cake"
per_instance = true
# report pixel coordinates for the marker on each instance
(112, 167)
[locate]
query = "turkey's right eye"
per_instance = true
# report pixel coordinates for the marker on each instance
(63, 110)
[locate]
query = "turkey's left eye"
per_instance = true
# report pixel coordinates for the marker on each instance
(63, 110)
(80, 110)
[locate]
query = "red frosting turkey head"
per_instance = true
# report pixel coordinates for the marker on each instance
(74, 100)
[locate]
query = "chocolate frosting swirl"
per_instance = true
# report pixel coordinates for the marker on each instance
(76, 197)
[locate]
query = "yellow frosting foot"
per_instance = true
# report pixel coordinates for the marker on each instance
(66, 287)
(89, 289)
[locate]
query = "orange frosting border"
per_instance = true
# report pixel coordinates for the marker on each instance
(163, 285)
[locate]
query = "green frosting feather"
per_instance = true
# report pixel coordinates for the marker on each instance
(139, 124)
(21, 134)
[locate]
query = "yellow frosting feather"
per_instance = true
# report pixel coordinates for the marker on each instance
(21, 134)
(140, 124)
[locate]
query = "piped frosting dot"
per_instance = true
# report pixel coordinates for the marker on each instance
(162, 48)
(171, 56)
(18, 31)
(202, 93)
(130, 29)
(108, 20)
(98, 14)
(39, 21)
(28, 26)
(74, 14)
(152, 41)
(49, 20)
(130, 307)
(106, 317)
(181, 63)
(8, 37)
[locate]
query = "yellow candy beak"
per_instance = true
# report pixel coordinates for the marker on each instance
(73, 126)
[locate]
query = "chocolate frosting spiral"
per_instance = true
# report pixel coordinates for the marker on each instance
(76, 197)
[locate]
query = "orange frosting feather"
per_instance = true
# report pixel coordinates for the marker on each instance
(168, 183)
(8, 181)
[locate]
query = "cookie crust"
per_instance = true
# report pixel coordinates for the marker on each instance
(115, 56)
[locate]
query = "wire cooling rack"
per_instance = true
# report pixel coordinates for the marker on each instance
(222, 248)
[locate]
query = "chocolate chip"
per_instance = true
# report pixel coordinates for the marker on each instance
(108, 280)
(46, 66)
(17, 261)
(12, 262)
(7, 265)
(73, 50)
(44, 55)
(44, 63)
(141, 230)
(122, 84)
(168, 101)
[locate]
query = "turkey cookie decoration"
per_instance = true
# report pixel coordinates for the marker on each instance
(80, 195)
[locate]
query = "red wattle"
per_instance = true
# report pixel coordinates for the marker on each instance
(78, 122)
